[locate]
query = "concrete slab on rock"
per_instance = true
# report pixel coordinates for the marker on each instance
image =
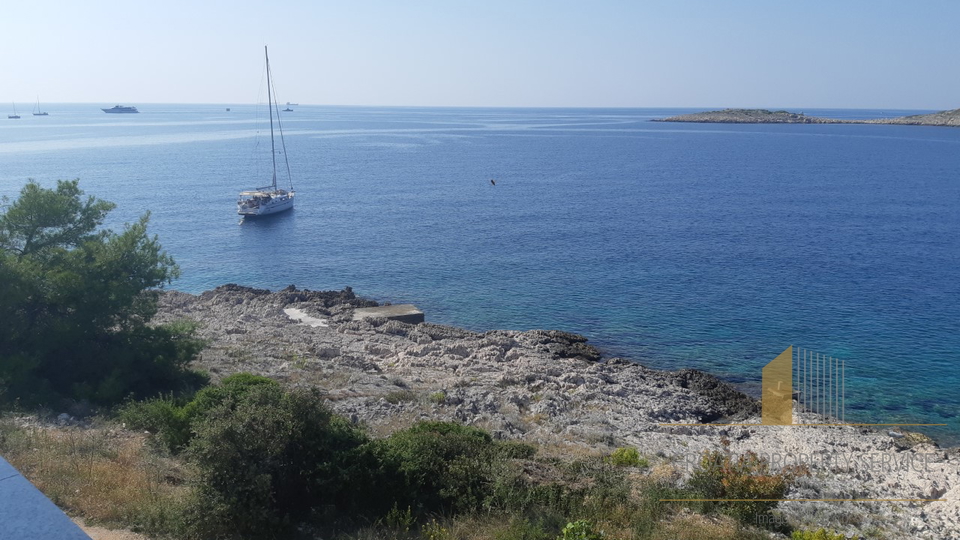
(407, 313)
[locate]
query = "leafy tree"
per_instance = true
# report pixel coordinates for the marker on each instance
(76, 300)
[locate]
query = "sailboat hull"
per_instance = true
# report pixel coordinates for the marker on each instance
(258, 205)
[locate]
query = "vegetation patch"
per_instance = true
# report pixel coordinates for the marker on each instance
(108, 477)
(173, 419)
(742, 486)
(401, 396)
(77, 300)
(628, 457)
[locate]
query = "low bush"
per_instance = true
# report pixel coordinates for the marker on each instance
(439, 466)
(172, 419)
(163, 416)
(747, 483)
(627, 457)
(400, 396)
(520, 528)
(267, 459)
(231, 388)
(516, 450)
(581, 530)
(434, 530)
(399, 520)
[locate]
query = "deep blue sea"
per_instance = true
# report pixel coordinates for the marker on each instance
(678, 245)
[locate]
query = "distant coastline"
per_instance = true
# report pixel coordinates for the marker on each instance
(949, 118)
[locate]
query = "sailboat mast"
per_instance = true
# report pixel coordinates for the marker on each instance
(273, 151)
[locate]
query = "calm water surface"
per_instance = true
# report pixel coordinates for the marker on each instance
(678, 245)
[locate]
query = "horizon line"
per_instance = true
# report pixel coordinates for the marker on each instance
(600, 107)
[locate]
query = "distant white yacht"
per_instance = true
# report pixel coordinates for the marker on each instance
(118, 109)
(269, 199)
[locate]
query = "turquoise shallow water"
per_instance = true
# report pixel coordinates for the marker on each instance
(678, 245)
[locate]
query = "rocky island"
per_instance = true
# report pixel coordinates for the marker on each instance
(749, 116)
(949, 118)
(556, 390)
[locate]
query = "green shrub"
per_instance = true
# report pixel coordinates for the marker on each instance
(231, 388)
(438, 397)
(523, 529)
(580, 530)
(746, 481)
(163, 416)
(627, 457)
(434, 530)
(400, 396)
(172, 419)
(516, 450)
(398, 520)
(590, 488)
(439, 466)
(267, 458)
(820, 534)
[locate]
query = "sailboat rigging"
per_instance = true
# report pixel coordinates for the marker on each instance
(269, 199)
(14, 116)
(38, 111)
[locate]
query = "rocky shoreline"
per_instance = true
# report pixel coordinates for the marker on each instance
(949, 118)
(555, 389)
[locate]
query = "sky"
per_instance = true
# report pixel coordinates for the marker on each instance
(491, 53)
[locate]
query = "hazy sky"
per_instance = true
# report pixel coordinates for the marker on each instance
(764, 53)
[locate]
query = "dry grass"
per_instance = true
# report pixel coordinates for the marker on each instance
(326, 379)
(388, 425)
(479, 527)
(567, 450)
(689, 526)
(104, 476)
(100, 533)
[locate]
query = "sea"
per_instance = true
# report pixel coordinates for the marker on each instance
(707, 246)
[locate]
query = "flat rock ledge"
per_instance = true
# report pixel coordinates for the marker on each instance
(555, 389)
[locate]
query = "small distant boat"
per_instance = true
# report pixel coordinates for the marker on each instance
(228, 109)
(292, 104)
(14, 116)
(118, 109)
(288, 109)
(38, 112)
(268, 199)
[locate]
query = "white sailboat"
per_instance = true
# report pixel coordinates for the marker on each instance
(268, 199)
(38, 111)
